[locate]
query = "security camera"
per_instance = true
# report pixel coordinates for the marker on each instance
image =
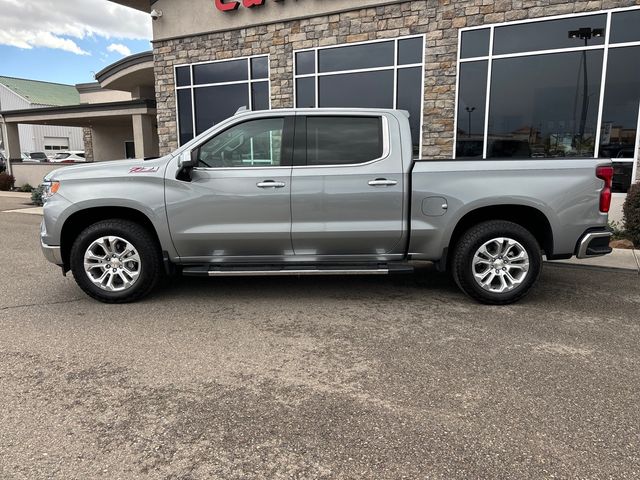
(156, 14)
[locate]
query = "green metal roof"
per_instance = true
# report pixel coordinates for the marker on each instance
(42, 93)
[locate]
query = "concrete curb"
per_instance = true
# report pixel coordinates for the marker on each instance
(28, 210)
(619, 259)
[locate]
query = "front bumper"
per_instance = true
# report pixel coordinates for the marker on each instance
(594, 244)
(52, 253)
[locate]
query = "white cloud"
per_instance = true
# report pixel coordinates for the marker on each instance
(119, 48)
(55, 24)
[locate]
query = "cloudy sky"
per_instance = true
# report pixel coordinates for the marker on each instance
(67, 41)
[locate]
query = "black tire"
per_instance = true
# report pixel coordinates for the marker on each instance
(151, 270)
(462, 268)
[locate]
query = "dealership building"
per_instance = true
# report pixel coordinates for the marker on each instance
(480, 79)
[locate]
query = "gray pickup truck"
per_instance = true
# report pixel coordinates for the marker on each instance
(320, 192)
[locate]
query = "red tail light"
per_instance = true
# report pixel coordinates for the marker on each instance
(606, 174)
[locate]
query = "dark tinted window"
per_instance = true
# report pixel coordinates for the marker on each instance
(305, 63)
(185, 116)
(475, 43)
(621, 102)
(259, 68)
(472, 95)
(214, 104)
(183, 76)
(256, 143)
(620, 112)
(260, 95)
(410, 51)
(540, 105)
(625, 26)
(38, 156)
(229, 71)
(343, 140)
(365, 90)
(305, 92)
(409, 98)
(549, 34)
(370, 55)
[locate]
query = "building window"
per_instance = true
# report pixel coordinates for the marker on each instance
(377, 74)
(207, 93)
(552, 88)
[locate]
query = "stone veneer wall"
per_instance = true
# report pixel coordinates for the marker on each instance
(88, 143)
(439, 20)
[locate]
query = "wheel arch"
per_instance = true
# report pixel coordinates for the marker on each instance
(81, 219)
(524, 215)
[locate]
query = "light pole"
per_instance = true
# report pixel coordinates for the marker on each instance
(585, 34)
(470, 110)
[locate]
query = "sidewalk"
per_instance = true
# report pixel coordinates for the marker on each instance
(619, 259)
(15, 195)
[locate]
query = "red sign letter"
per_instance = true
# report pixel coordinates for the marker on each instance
(223, 6)
(252, 3)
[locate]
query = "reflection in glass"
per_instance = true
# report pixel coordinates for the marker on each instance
(543, 106)
(343, 140)
(409, 96)
(620, 112)
(259, 68)
(475, 43)
(625, 26)
(548, 35)
(472, 93)
(363, 90)
(260, 95)
(256, 143)
(185, 115)
(370, 55)
(218, 72)
(214, 104)
(305, 62)
(183, 76)
(305, 92)
(410, 51)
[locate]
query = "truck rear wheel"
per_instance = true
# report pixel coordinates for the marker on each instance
(496, 262)
(116, 261)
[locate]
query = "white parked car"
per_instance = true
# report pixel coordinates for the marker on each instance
(71, 156)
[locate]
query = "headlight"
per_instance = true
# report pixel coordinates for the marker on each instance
(50, 189)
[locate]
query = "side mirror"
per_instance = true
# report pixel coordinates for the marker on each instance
(188, 159)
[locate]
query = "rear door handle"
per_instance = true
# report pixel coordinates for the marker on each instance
(271, 184)
(382, 182)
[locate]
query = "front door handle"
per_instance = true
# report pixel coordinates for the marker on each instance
(271, 184)
(382, 182)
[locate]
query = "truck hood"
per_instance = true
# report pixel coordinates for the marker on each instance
(115, 168)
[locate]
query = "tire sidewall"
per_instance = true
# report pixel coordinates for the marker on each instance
(134, 235)
(506, 230)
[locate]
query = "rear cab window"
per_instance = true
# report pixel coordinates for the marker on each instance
(343, 140)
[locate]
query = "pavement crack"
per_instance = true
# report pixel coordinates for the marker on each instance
(11, 307)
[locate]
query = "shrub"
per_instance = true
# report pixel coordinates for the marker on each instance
(6, 182)
(26, 188)
(631, 211)
(36, 195)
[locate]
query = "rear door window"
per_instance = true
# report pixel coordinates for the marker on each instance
(342, 140)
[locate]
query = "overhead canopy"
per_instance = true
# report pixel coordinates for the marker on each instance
(130, 73)
(84, 115)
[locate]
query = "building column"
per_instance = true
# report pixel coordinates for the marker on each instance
(145, 136)
(11, 138)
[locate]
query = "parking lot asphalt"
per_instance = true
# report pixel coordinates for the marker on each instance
(328, 377)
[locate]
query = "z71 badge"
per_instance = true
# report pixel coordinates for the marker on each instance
(143, 169)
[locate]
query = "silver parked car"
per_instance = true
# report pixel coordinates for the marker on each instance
(316, 192)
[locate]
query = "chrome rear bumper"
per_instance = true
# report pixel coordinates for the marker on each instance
(594, 244)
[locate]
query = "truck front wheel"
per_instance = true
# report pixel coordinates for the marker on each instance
(496, 262)
(116, 261)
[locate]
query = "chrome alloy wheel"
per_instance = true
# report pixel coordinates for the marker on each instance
(500, 265)
(112, 264)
